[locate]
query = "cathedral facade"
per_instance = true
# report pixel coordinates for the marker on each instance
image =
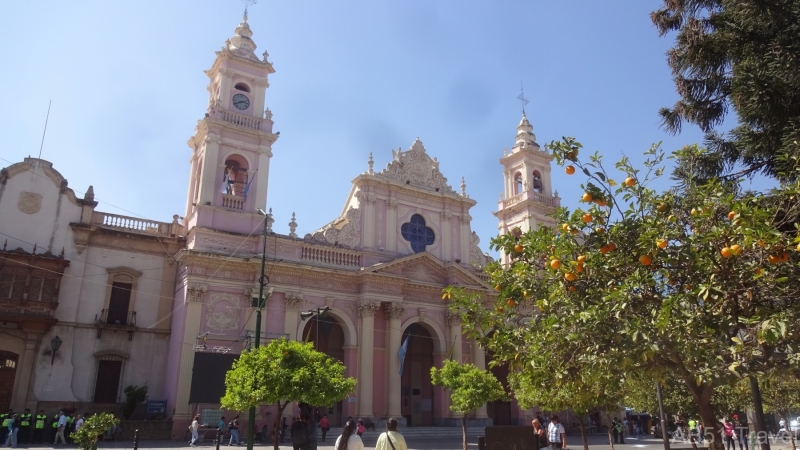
(131, 301)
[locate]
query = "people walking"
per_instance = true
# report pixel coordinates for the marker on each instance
(13, 431)
(193, 428)
(5, 417)
(538, 431)
(312, 432)
(233, 427)
(616, 428)
(360, 430)
(61, 425)
(324, 425)
(391, 439)
(349, 440)
(556, 436)
(300, 433)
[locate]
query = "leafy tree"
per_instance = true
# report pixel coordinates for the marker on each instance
(87, 435)
(696, 284)
(283, 372)
(470, 388)
(133, 396)
(781, 395)
(740, 54)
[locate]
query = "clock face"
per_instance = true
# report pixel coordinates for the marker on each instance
(240, 101)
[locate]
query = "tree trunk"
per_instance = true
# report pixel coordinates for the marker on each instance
(787, 428)
(583, 433)
(277, 440)
(610, 436)
(711, 422)
(464, 430)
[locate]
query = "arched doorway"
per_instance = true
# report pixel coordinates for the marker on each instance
(416, 390)
(8, 371)
(500, 411)
(328, 337)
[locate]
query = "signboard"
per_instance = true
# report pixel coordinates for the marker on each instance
(351, 399)
(156, 406)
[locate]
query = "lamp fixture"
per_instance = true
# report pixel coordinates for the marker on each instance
(55, 344)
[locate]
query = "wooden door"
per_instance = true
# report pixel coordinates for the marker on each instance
(8, 371)
(107, 385)
(119, 303)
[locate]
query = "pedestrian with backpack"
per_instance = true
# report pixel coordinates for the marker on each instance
(300, 433)
(233, 427)
(391, 439)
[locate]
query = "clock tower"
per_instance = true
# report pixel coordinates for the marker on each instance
(232, 143)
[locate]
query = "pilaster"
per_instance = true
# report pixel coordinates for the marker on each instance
(262, 180)
(391, 224)
(479, 358)
(191, 329)
(210, 168)
(294, 303)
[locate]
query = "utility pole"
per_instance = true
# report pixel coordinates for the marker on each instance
(262, 280)
(661, 417)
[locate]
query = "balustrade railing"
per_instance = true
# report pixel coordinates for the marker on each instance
(137, 225)
(232, 201)
(535, 196)
(119, 317)
(331, 256)
(253, 123)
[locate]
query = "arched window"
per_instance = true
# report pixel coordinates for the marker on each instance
(517, 183)
(242, 87)
(234, 179)
(538, 186)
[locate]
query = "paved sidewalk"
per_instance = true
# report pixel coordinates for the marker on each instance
(596, 442)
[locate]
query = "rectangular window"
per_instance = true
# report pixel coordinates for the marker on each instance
(48, 289)
(6, 280)
(35, 289)
(119, 303)
(107, 384)
(18, 289)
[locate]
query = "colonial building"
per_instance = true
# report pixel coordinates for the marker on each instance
(172, 304)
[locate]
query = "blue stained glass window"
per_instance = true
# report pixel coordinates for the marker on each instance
(415, 232)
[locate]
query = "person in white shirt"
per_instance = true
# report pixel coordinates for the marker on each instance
(391, 439)
(62, 425)
(556, 434)
(349, 440)
(79, 422)
(193, 428)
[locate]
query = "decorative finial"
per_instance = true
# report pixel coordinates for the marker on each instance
(463, 187)
(521, 98)
(270, 221)
(505, 151)
(89, 195)
(265, 55)
(246, 4)
(370, 163)
(268, 114)
(293, 227)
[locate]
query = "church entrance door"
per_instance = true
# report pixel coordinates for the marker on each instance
(8, 371)
(416, 390)
(328, 337)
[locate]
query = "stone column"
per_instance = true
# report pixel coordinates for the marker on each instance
(209, 171)
(391, 224)
(465, 237)
(479, 358)
(454, 337)
(395, 313)
(294, 303)
(366, 309)
(22, 398)
(366, 201)
(194, 307)
(447, 253)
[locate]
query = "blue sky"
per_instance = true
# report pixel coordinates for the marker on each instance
(353, 76)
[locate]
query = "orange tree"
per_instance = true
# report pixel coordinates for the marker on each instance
(698, 281)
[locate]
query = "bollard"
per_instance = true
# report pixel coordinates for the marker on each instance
(219, 437)
(481, 442)
(136, 439)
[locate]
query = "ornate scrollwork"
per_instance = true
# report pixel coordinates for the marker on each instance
(294, 301)
(368, 308)
(395, 310)
(226, 317)
(349, 234)
(416, 168)
(194, 292)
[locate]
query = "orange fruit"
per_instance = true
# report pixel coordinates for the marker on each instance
(612, 246)
(581, 258)
(571, 156)
(759, 271)
(555, 264)
(630, 181)
(586, 218)
(600, 230)
(661, 243)
(773, 259)
(645, 260)
(601, 219)
(565, 227)
(498, 288)
(572, 289)
(511, 302)
(661, 207)
(569, 276)
(761, 243)
(731, 215)
(798, 247)
(574, 231)
(726, 252)
(579, 268)
(602, 202)
(695, 212)
(518, 248)
(784, 257)
(500, 309)
(736, 249)
(570, 170)
(587, 197)
(604, 249)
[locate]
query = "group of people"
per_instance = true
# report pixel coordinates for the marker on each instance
(554, 437)
(29, 428)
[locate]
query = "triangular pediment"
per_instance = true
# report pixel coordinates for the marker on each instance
(427, 269)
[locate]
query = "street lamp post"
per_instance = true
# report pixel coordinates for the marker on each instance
(262, 281)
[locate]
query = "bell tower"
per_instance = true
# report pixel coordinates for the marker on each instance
(232, 143)
(528, 200)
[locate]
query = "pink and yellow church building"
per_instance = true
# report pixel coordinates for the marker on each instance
(402, 236)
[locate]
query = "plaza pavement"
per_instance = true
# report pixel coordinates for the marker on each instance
(596, 442)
